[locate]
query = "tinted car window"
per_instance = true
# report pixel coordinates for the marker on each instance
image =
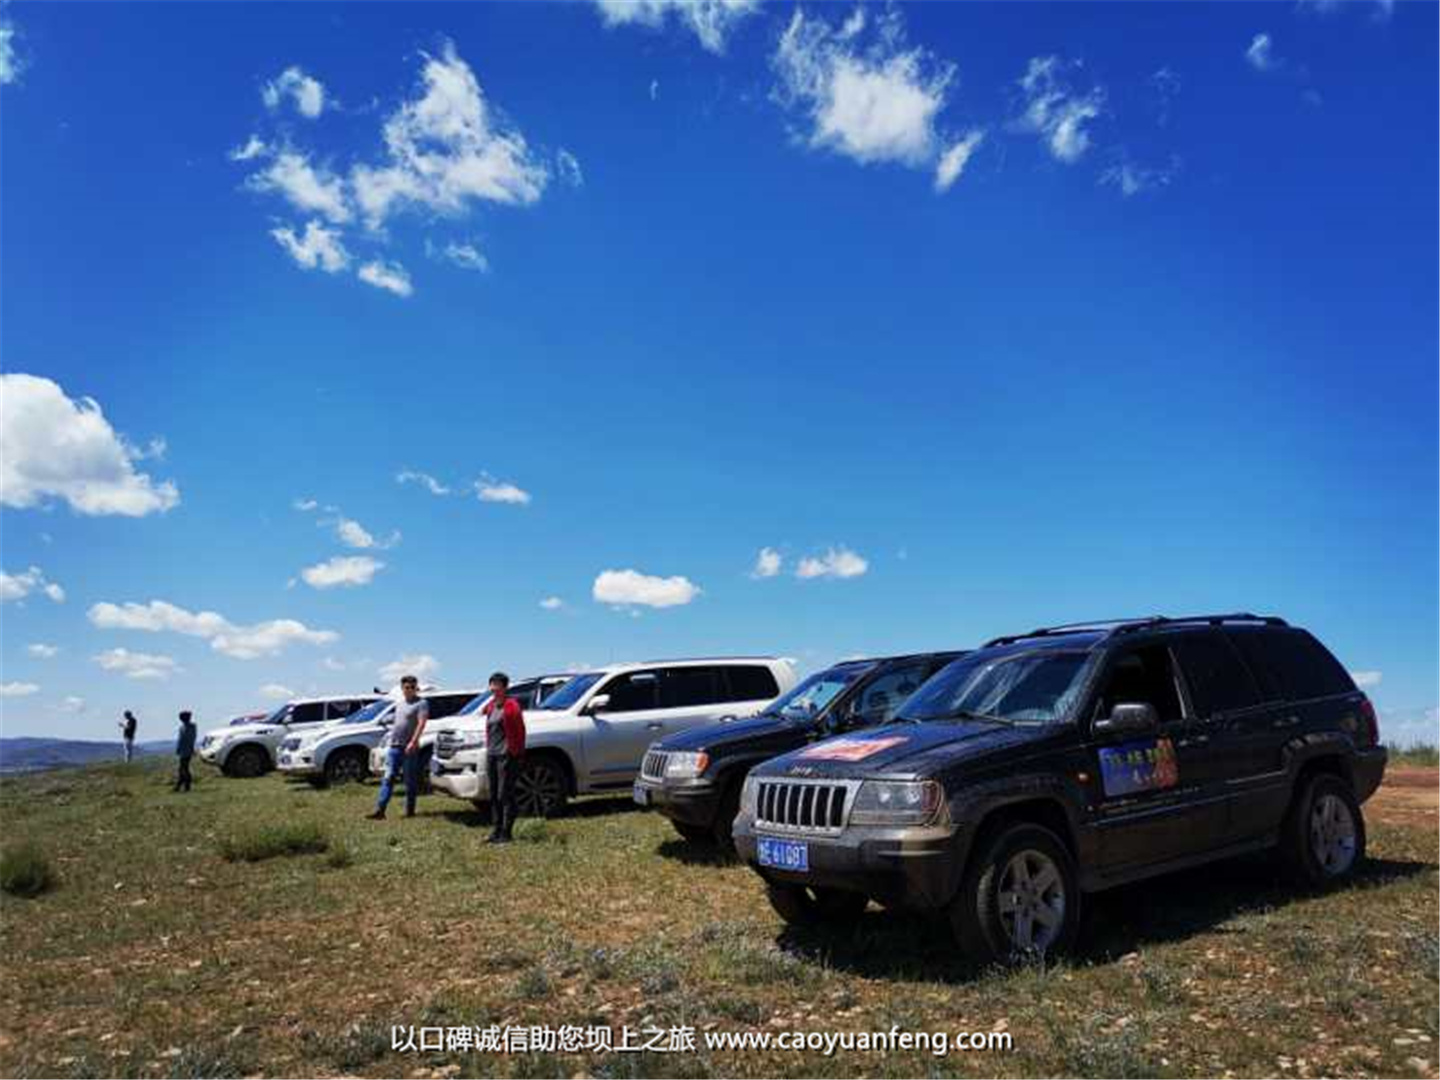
(751, 682)
(878, 700)
(312, 712)
(632, 692)
(689, 686)
(1218, 680)
(1142, 676)
(442, 705)
(1295, 665)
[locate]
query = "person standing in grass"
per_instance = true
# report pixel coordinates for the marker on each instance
(505, 746)
(411, 713)
(184, 751)
(127, 735)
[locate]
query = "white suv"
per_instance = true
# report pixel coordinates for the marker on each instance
(592, 733)
(339, 752)
(251, 749)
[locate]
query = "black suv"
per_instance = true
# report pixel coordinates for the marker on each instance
(694, 777)
(1068, 760)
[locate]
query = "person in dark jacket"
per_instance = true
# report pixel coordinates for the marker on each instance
(184, 751)
(127, 734)
(505, 747)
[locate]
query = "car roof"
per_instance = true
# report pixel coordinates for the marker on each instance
(1089, 634)
(331, 697)
(690, 661)
(898, 658)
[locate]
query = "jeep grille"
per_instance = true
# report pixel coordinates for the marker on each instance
(819, 806)
(653, 767)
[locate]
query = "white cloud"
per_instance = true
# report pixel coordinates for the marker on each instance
(568, 166)
(53, 446)
(10, 64)
(18, 689)
(1132, 179)
(253, 147)
(319, 247)
(306, 187)
(463, 254)
(408, 476)
(712, 21)
(387, 275)
(1055, 111)
(352, 534)
(342, 570)
(488, 489)
(654, 89)
(878, 104)
(276, 692)
(72, 704)
(137, 665)
(767, 563)
(447, 147)
(953, 161)
(422, 665)
(41, 651)
(306, 92)
(835, 563)
(305, 505)
(1366, 679)
(1260, 55)
(552, 603)
(240, 642)
(630, 587)
(19, 586)
(331, 664)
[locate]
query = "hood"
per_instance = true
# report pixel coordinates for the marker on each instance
(901, 749)
(754, 733)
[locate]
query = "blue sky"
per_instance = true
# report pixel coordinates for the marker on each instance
(977, 316)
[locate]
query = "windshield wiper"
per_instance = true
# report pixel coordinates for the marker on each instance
(989, 718)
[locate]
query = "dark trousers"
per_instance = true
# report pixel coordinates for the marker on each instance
(502, 770)
(182, 774)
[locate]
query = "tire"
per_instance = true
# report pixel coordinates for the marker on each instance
(805, 905)
(541, 788)
(247, 762)
(346, 767)
(1322, 840)
(1019, 899)
(695, 834)
(726, 814)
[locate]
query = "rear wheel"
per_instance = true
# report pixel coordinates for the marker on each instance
(1323, 838)
(247, 762)
(696, 834)
(541, 788)
(810, 905)
(1020, 897)
(346, 767)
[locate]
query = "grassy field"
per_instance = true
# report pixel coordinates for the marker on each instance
(171, 945)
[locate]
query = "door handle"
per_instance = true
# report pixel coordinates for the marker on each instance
(655, 725)
(1194, 740)
(1287, 722)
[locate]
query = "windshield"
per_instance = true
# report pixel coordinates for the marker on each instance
(572, 691)
(474, 705)
(1038, 687)
(278, 716)
(370, 712)
(813, 696)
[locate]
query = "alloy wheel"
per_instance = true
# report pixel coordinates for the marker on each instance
(1332, 834)
(1032, 901)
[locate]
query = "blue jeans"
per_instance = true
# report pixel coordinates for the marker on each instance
(396, 759)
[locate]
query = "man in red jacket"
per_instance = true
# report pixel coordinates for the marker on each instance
(505, 746)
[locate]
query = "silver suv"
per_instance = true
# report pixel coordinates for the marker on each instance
(251, 749)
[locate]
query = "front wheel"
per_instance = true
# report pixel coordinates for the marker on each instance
(247, 762)
(1020, 897)
(1323, 838)
(541, 788)
(695, 834)
(346, 767)
(806, 905)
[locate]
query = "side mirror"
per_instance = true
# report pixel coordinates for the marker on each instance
(1128, 717)
(598, 703)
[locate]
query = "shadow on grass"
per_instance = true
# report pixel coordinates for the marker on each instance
(920, 946)
(472, 817)
(697, 853)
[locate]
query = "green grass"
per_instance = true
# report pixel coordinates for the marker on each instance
(160, 956)
(1420, 754)
(24, 869)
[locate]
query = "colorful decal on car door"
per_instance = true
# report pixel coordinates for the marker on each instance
(1146, 765)
(850, 749)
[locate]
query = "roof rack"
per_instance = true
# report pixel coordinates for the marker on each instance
(1115, 627)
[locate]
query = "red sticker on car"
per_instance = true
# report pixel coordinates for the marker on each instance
(850, 749)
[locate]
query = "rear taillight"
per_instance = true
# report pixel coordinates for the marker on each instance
(1369, 723)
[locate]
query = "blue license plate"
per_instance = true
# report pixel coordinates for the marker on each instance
(640, 795)
(782, 854)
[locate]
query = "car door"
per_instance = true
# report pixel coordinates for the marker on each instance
(691, 696)
(1158, 790)
(616, 737)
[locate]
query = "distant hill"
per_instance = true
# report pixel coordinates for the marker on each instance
(23, 755)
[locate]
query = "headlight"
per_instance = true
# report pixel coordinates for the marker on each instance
(897, 802)
(469, 740)
(748, 795)
(687, 765)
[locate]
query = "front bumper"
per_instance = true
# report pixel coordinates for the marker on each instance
(1367, 770)
(296, 764)
(689, 802)
(900, 866)
(210, 755)
(462, 776)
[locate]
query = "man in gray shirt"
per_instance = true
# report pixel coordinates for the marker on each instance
(411, 712)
